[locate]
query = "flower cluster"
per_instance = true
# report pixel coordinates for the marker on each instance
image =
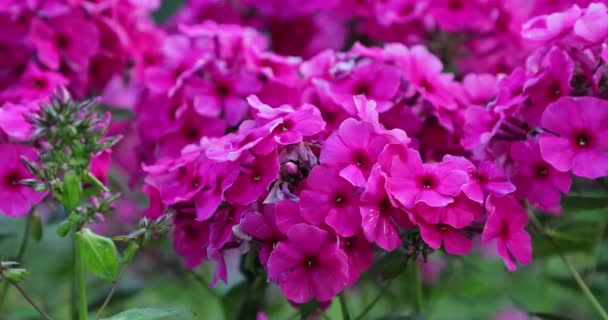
(279, 143)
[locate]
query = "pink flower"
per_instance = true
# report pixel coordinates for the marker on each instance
(354, 149)
(217, 178)
(440, 225)
(290, 126)
(70, 36)
(574, 136)
(262, 227)
(435, 184)
(360, 253)
(379, 217)
(16, 199)
(489, 178)
(225, 93)
(13, 120)
(190, 237)
(331, 199)
(375, 81)
(549, 27)
(506, 222)
(308, 265)
(254, 179)
(593, 24)
(537, 180)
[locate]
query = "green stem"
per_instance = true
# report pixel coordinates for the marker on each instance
(20, 253)
(369, 307)
(29, 299)
(81, 285)
(418, 287)
(577, 277)
(114, 286)
(344, 306)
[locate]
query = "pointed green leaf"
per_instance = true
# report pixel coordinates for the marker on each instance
(99, 254)
(154, 314)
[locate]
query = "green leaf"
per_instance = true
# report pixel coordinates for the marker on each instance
(72, 190)
(99, 254)
(154, 314)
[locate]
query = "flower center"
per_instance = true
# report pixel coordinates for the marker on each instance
(11, 179)
(310, 262)
(362, 88)
(62, 41)
(427, 182)
(541, 170)
(582, 139)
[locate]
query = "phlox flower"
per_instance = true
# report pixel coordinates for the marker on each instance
(354, 148)
(331, 199)
(254, 179)
(360, 253)
(440, 225)
(69, 38)
(506, 223)
(309, 265)
(537, 180)
(435, 184)
(16, 199)
(574, 138)
(379, 218)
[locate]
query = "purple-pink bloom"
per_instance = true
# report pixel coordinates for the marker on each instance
(263, 227)
(71, 37)
(354, 148)
(487, 178)
(254, 179)
(506, 222)
(331, 199)
(16, 199)
(308, 265)
(574, 136)
(435, 184)
(537, 180)
(360, 254)
(379, 218)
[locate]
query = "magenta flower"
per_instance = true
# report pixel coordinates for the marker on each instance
(225, 93)
(308, 265)
(16, 199)
(440, 225)
(221, 227)
(354, 149)
(190, 238)
(574, 136)
(593, 24)
(13, 122)
(452, 239)
(254, 179)
(218, 177)
(375, 81)
(489, 178)
(263, 227)
(289, 126)
(360, 254)
(550, 27)
(71, 37)
(506, 222)
(537, 180)
(379, 218)
(435, 184)
(331, 199)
